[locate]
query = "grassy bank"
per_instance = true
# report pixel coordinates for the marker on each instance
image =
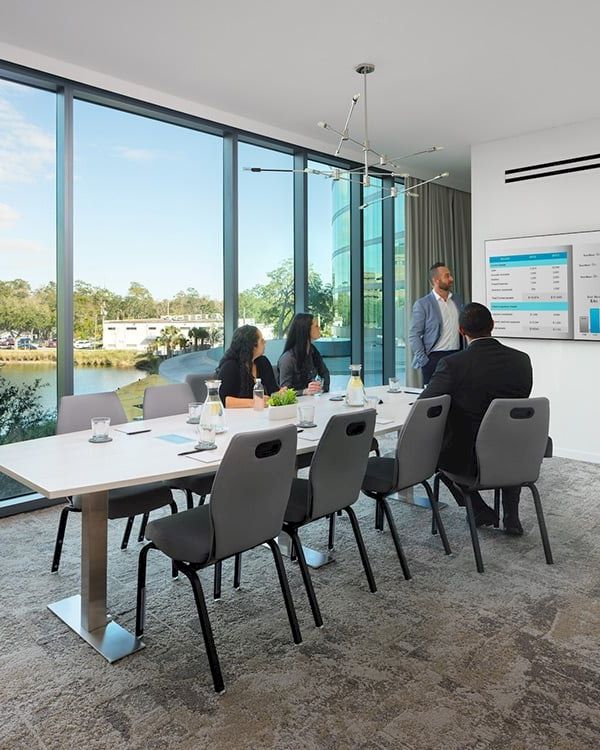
(83, 357)
(132, 395)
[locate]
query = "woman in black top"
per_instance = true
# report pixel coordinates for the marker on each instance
(301, 362)
(241, 365)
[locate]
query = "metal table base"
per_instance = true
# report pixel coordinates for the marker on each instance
(110, 640)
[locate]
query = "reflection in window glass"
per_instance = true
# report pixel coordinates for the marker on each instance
(329, 269)
(400, 284)
(266, 245)
(373, 284)
(27, 271)
(148, 259)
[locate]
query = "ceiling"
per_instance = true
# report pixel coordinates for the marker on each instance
(454, 72)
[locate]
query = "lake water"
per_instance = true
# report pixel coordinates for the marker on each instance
(87, 379)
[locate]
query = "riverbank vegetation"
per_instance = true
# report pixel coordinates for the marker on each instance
(83, 358)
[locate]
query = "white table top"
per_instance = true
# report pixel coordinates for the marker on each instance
(68, 464)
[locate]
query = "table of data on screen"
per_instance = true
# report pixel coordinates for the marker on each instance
(528, 293)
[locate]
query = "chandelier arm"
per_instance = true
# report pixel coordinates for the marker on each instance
(430, 150)
(344, 134)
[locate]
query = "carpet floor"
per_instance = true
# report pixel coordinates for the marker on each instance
(450, 659)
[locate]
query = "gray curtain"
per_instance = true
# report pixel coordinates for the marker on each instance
(438, 229)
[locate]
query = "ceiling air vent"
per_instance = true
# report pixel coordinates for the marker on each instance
(551, 168)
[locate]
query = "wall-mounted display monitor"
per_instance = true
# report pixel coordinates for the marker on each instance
(545, 287)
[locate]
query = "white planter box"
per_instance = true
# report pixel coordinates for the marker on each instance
(283, 412)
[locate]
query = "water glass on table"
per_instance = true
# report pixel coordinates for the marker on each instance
(100, 427)
(306, 415)
(194, 411)
(394, 385)
(206, 435)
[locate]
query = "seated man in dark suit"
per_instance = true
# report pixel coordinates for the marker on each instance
(485, 370)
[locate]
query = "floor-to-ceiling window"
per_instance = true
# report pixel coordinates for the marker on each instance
(373, 283)
(266, 244)
(27, 267)
(148, 270)
(329, 268)
(400, 285)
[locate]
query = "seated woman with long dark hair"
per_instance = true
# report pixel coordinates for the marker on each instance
(241, 365)
(301, 362)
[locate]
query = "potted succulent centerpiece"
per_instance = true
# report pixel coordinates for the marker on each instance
(282, 405)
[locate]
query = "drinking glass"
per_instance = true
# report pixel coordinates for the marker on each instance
(394, 385)
(100, 427)
(194, 410)
(306, 415)
(206, 435)
(372, 402)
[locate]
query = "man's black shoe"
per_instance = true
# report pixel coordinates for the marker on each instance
(485, 517)
(512, 525)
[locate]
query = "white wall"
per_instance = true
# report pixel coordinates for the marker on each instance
(568, 372)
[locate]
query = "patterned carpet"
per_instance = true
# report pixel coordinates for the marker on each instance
(450, 659)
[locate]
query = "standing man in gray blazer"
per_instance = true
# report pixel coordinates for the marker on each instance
(434, 332)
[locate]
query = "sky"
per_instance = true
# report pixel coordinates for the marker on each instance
(147, 201)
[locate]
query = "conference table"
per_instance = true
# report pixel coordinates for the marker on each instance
(140, 452)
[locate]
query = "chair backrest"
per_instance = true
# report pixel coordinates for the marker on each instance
(165, 400)
(340, 461)
(511, 441)
(197, 382)
(420, 441)
(251, 489)
(75, 412)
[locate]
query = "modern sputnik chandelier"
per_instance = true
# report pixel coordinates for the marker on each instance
(362, 174)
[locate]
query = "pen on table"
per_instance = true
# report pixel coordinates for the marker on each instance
(138, 432)
(187, 453)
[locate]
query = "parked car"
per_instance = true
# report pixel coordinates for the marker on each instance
(26, 343)
(7, 343)
(51, 343)
(83, 344)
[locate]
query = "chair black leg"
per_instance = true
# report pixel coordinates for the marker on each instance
(436, 495)
(140, 611)
(237, 571)
(60, 535)
(174, 509)
(378, 515)
(474, 535)
(391, 523)
(142, 533)
(436, 518)
(209, 641)
(285, 590)
(189, 499)
(375, 448)
(497, 508)
(361, 548)
(217, 584)
(541, 523)
(127, 532)
(310, 592)
(331, 539)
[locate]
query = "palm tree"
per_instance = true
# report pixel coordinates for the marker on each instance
(215, 335)
(169, 338)
(198, 334)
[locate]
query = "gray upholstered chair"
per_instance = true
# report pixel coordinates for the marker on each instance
(164, 401)
(74, 414)
(197, 382)
(248, 501)
(510, 447)
(333, 484)
(417, 453)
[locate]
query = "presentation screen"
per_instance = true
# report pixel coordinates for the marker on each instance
(545, 287)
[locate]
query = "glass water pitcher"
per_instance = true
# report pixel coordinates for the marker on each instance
(212, 410)
(355, 390)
